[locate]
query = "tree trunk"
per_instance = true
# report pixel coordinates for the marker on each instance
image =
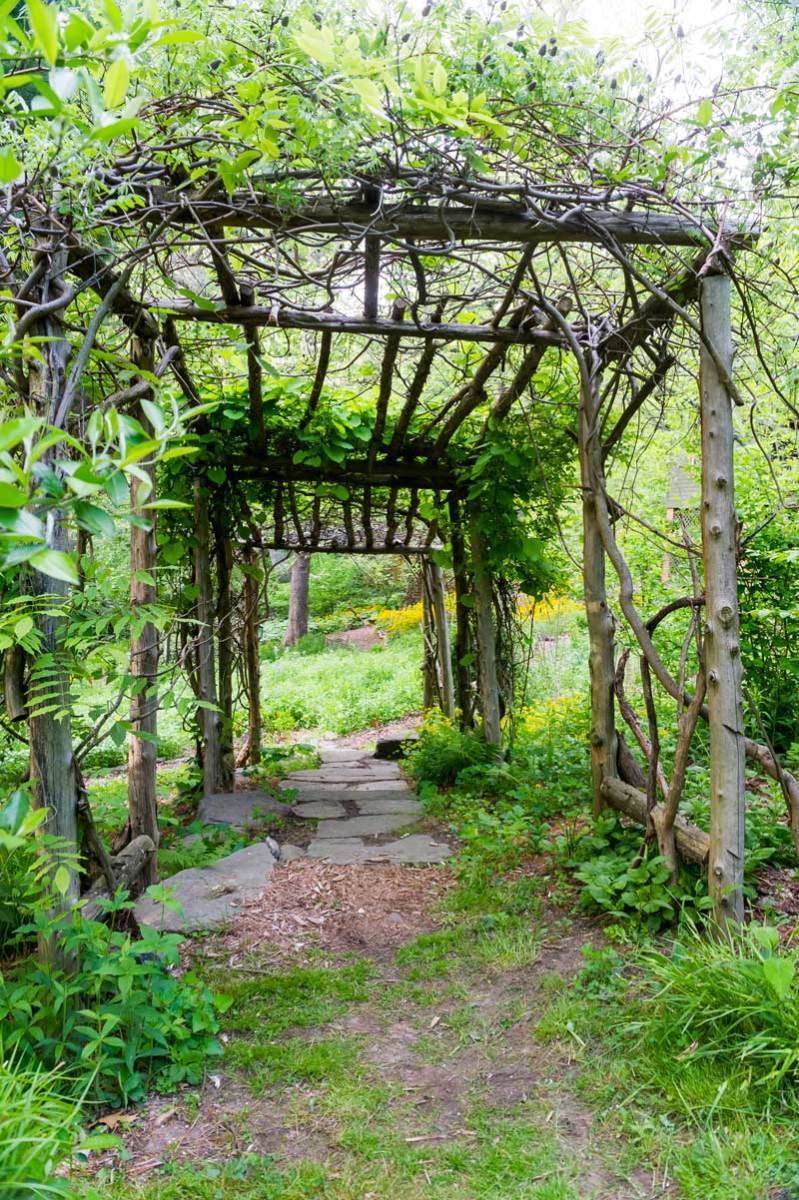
(692, 843)
(208, 712)
(463, 641)
(430, 696)
(486, 640)
(601, 651)
(722, 648)
(224, 639)
(52, 760)
(143, 750)
(443, 646)
(298, 602)
(252, 657)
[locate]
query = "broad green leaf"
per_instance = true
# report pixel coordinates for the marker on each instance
(23, 627)
(369, 93)
(93, 519)
(44, 27)
(316, 43)
(10, 167)
(12, 497)
(439, 78)
(14, 432)
(704, 112)
(116, 83)
(61, 881)
(77, 31)
(779, 974)
(55, 564)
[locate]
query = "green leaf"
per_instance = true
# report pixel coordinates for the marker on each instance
(44, 27)
(10, 167)
(23, 627)
(61, 881)
(439, 78)
(704, 112)
(14, 432)
(12, 497)
(316, 43)
(77, 32)
(55, 564)
(116, 83)
(116, 487)
(779, 974)
(93, 519)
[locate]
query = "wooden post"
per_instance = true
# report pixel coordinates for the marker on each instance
(143, 751)
(298, 600)
(443, 645)
(429, 672)
(224, 640)
(463, 600)
(722, 647)
(252, 656)
(486, 639)
(601, 652)
(208, 718)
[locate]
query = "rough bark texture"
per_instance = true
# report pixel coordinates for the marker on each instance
(208, 717)
(131, 869)
(443, 645)
(224, 641)
(252, 657)
(486, 640)
(429, 672)
(143, 751)
(601, 651)
(692, 843)
(298, 601)
(463, 640)
(722, 647)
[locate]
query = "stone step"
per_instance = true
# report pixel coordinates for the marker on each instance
(355, 827)
(210, 897)
(331, 791)
(239, 809)
(349, 773)
(319, 810)
(417, 849)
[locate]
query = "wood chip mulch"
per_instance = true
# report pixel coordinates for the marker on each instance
(367, 907)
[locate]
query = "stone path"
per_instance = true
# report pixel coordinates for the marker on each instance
(358, 802)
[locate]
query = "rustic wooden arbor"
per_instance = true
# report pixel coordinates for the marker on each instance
(422, 276)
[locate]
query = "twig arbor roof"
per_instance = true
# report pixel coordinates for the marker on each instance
(437, 305)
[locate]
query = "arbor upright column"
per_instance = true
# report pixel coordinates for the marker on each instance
(722, 646)
(208, 713)
(601, 655)
(486, 639)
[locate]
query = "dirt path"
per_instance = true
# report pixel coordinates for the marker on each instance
(382, 1042)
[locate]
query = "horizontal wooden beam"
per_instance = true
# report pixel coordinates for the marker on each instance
(284, 318)
(447, 223)
(693, 843)
(309, 547)
(357, 474)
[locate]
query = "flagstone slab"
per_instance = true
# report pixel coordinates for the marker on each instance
(319, 810)
(239, 809)
(342, 850)
(343, 791)
(333, 754)
(418, 849)
(356, 827)
(348, 773)
(399, 802)
(211, 897)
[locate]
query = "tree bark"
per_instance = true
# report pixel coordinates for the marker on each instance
(463, 641)
(443, 645)
(486, 640)
(252, 657)
(692, 843)
(143, 750)
(601, 630)
(722, 647)
(224, 639)
(298, 601)
(208, 712)
(430, 697)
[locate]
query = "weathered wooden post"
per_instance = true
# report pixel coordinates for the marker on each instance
(722, 647)
(208, 712)
(252, 655)
(486, 639)
(223, 549)
(463, 600)
(443, 644)
(429, 671)
(601, 655)
(143, 750)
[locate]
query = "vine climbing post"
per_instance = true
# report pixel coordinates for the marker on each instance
(224, 642)
(142, 746)
(601, 655)
(252, 655)
(443, 645)
(722, 648)
(208, 711)
(486, 638)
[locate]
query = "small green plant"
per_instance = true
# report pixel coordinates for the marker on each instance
(443, 751)
(119, 1016)
(729, 1002)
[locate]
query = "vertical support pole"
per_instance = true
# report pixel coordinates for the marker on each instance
(52, 761)
(429, 673)
(486, 639)
(443, 645)
(143, 751)
(298, 600)
(463, 641)
(252, 655)
(224, 639)
(601, 650)
(722, 647)
(208, 717)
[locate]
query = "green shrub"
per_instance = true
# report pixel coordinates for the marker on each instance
(119, 1018)
(443, 751)
(727, 1004)
(38, 1129)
